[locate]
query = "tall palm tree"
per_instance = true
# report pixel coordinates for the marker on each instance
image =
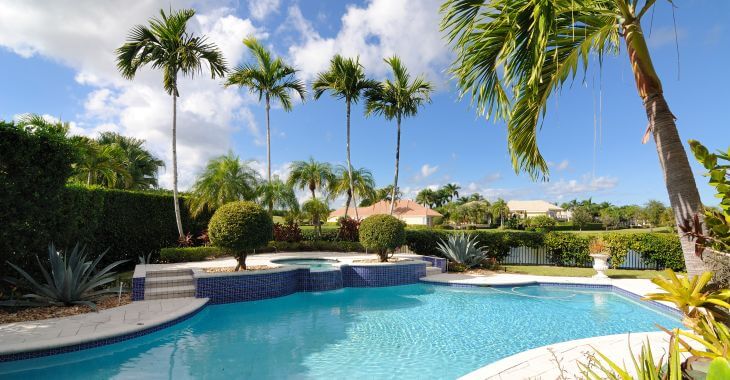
(271, 79)
(276, 192)
(167, 45)
(452, 190)
(345, 79)
(140, 163)
(397, 99)
(499, 208)
(511, 55)
(99, 164)
(310, 174)
(225, 179)
(362, 180)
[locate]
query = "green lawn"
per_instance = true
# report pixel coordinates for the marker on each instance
(578, 272)
(626, 230)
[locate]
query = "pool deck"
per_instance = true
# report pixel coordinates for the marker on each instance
(141, 315)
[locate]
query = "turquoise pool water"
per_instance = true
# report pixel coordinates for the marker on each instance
(313, 264)
(405, 332)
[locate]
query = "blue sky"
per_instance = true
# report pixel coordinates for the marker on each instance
(592, 134)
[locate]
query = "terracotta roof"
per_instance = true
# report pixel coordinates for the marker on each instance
(403, 208)
(532, 206)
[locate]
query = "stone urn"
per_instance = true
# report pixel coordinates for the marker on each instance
(600, 264)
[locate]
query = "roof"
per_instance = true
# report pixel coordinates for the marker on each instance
(532, 206)
(403, 208)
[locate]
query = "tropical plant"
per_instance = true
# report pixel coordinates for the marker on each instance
(316, 210)
(271, 79)
(348, 229)
(225, 179)
(277, 193)
(452, 190)
(540, 223)
(141, 165)
(382, 233)
(362, 181)
(381, 194)
(99, 163)
(610, 217)
(71, 279)
(581, 217)
(512, 55)
(240, 228)
(463, 249)
(344, 79)
(500, 209)
(652, 212)
(426, 197)
(167, 45)
(310, 175)
(397, 99)
(289, 232)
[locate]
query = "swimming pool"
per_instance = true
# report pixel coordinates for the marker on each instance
(414, 331)
(313, 264)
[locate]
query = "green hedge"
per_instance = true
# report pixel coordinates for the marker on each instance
(186, 254)
(496, 243)
(177, 255)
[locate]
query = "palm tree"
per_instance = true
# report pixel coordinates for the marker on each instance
(99, 164)
(362, 180)
(345, 79)
(426, 197)
(167, 45)
(276, 192)
(397, 99)
(270, 78)
(316, 209)
(452, 190)
(140, 163)
(225, 179)
(310, 174)
(510, 56)
(499, 208)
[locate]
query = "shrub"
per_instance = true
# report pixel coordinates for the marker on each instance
(382, 233)
(660, 250)
(240, 228)
(540, 223)
(186, 254)
(287, 232)
(348, 229)
(462, 249)
(567, 249)
(328, 233)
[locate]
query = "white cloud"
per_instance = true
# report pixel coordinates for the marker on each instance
(427, 170)
(261, 8)
(85, 41)
(559, 166)
(378, 30)
(586, 186)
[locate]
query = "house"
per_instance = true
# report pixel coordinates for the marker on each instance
(405, 210)
(530, 209)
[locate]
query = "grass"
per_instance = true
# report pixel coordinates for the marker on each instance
(540, 270)
(627, 231)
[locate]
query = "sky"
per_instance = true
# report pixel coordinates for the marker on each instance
(57, 59)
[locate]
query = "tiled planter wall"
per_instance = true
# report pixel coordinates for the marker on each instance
(137, 288)
(364, 276)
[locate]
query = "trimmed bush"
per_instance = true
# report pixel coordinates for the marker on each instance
(240, 228)
(568, 249)
(186, 254)
(540, 223)
(287, 232)
(382, 233)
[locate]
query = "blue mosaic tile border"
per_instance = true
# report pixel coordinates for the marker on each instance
(138, 288)
(227, 289)
(319, 281)
(366, 276)
(438, 262)
(98, 343)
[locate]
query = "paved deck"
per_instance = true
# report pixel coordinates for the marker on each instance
(83, 328)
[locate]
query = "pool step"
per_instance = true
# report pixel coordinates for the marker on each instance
(432, 270)
(165, 284)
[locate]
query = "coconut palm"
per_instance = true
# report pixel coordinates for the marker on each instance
(99, 164)
(345, 79)
(426, 197)
(362, 180)
(511, 55)
(397, 99)
(271, 79)
(167, 45)
(499, 209)
(452, 190)
(276, 192)
(310, 174)
(225, 179)
(141, 165)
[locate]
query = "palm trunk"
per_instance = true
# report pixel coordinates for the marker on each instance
(268, 141)
(349, 163)
(349, 199)
(397, 162)
(178, 220)
(88, 178)
(678, 178)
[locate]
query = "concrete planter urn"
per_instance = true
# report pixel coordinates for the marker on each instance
(600, 264)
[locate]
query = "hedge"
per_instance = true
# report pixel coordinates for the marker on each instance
(177, 255)
(497, 243)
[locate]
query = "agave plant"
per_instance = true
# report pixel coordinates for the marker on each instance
(462, 249)
(72, 280)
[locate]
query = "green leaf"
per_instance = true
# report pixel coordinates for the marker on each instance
(719, 369)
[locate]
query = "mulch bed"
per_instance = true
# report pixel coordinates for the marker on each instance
(480, 271)
(23, 314)
(233, 269)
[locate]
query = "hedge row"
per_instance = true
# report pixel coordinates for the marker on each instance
(658, 250)
(187, 254)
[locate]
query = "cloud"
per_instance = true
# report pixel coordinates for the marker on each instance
(560, 166)
(260, 9)
(86, 40)
(587, 185)
(380, 29)
(427, 170)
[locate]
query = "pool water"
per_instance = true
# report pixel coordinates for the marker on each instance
(405, 332)
(313, 264)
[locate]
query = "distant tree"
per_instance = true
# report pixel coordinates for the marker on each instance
(441, 197)
(381, 194)
(141, 165)
(315, 209)
(581, 217)
(452, 190)
(271, 79)
(167, 45)
(311, 175)
(277, 193)
(225, 179)
(653, 211)
(500, 210)
(362, 180)
(610, 217)
(99, 164)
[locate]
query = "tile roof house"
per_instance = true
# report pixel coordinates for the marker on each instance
(405, 210)
(529, 209)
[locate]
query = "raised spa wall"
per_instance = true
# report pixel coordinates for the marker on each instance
(282, 281)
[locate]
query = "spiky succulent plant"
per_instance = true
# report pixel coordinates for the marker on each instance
(462, 249)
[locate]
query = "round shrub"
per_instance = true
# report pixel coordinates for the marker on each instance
(240, 227)
(382, 233)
